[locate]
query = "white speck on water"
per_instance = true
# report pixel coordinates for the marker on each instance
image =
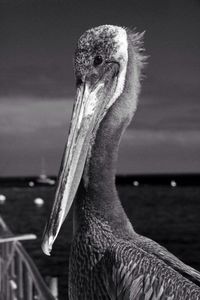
(38, 201)
(173, 183)
(2, 199)
(135, 183)
(31, 183)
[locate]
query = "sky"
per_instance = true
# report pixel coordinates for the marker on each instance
(37, 40)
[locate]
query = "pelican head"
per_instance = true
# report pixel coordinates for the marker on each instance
(101, 66)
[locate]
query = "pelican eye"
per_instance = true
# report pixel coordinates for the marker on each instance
(98, 60)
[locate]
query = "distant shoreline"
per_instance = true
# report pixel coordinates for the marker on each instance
(136, 180)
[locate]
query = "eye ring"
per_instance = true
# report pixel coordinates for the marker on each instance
(98, 60)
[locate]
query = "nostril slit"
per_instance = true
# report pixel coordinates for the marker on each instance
(79, 81)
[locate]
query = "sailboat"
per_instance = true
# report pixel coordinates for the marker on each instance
(43, 178)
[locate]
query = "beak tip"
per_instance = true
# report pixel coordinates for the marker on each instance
(47, 245)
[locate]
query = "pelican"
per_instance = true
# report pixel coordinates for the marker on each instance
(108, 259)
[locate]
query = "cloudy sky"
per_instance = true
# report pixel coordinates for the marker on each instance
(37, 40)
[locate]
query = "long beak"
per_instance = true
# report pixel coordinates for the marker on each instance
(90, 104)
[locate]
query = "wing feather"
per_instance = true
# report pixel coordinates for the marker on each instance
(162, 253)
(135, 274)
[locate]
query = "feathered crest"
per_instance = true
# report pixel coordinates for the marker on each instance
(137, 40)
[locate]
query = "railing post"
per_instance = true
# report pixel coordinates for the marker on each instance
(19, 277)
(29, 287)
(53, 286)
(6, 273)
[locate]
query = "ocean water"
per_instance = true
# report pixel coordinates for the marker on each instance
(171, 216)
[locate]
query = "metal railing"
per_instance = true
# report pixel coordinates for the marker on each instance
(19, 277)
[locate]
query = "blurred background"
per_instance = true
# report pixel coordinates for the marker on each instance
(37, 41)
(37, 83)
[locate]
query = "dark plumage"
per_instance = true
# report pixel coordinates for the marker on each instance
(109, 260)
